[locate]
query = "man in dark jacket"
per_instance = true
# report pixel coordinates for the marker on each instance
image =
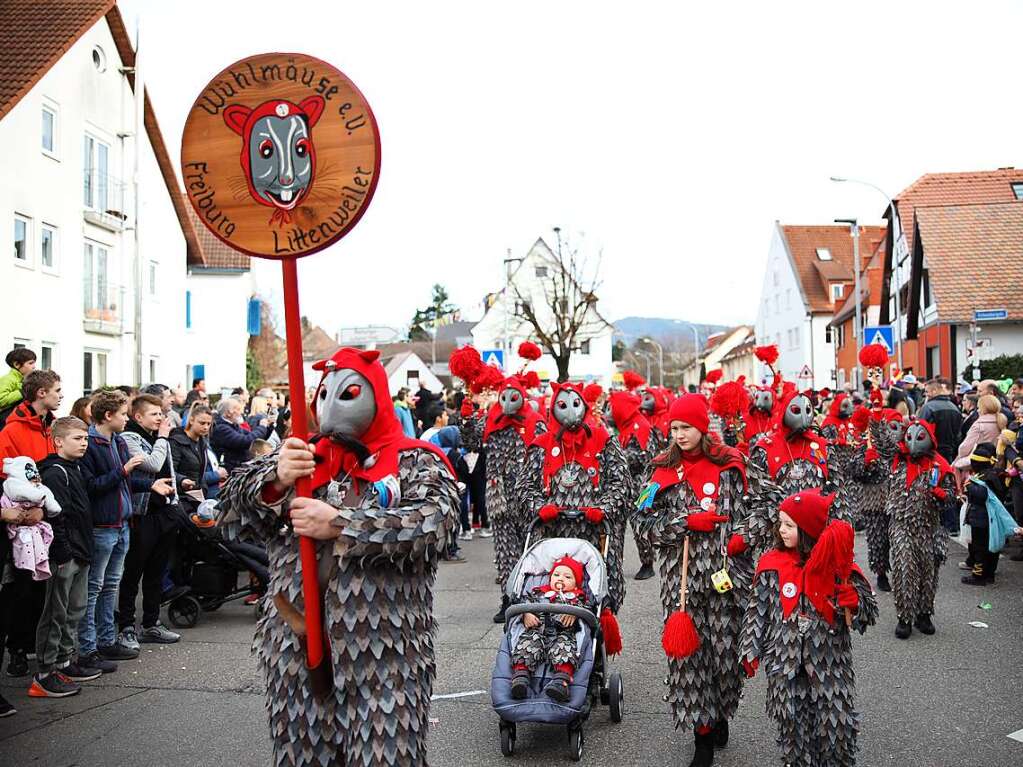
(229, 440)
(67, 590)
(946, 417)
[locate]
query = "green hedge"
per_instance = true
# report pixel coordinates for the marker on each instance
(1003, 366)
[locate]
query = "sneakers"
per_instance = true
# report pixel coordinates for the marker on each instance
(129, 639)
(486, 532)
(453, 559)
(465, 535)
(95, 660)
(964, 566)
(117, 652)
(54, 685)
(6, 709)
(17, 665)
(158, 635)
(79, 673)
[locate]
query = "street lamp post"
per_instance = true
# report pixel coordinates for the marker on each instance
(508, 261)
(854, 229)
(898, 255)
(660, 359)
(647, 357)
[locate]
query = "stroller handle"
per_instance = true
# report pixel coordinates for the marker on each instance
(540, 607)
(570, 514)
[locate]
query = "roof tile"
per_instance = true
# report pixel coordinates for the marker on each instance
(803, 242)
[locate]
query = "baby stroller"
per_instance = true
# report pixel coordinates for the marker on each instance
(591, 684)
(208, 565)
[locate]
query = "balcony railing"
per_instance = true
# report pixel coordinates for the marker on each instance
(104, 197)
(103, 304)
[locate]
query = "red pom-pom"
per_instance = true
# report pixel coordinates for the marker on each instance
(530, 380)
(680, 639)
(611, 631)
(529, 351)
(592, 392)
(860, 418)
(465, 363)
(874, 356)
(767, 354)
(548, 512)
(730, 399)
(487, 378)
(632, 379)
(713, 376)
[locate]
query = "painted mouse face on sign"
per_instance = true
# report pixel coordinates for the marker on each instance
(799, 414)
(511, 401)
(918, 440)
(569, 409)
(346, 404)
(278, 155)
(763, 400)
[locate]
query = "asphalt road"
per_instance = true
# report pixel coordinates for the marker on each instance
(950, 700)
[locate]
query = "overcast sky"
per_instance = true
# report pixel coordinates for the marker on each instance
(672, 134)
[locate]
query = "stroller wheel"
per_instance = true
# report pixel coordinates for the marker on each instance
(616, 696)
(507, 739)
(183, 613)
(575, 743)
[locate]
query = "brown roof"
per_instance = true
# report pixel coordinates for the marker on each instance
(218, 255)
(956, 241)
(33, 37)
(317, 343)
(803, 242)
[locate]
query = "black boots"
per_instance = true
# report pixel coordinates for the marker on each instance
(646, 571)
(720, 733)
(703, 756)
(903, 630)
(882, 582)
(923, 624)
(499, 615)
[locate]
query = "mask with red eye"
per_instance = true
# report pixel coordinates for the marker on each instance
(763, 400)
(918, 440)
(266, 149)
(569, 410)
(345, 404)
(511, 401)
(647, 402)
(799, 414)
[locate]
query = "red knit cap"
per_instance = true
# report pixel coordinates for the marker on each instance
(575, 566)
(809, 510)
(691, 409)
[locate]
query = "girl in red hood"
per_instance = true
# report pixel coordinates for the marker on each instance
(808, 597)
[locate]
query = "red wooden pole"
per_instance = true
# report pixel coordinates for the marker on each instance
(318, 670)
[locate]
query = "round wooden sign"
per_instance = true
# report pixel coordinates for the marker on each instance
(280, 155)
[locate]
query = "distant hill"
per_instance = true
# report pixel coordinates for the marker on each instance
(675, 333)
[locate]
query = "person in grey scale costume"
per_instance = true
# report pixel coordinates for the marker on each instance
(382, 509)
(798, 626)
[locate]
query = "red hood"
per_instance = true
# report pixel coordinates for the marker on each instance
(525, 420)
(628, 419)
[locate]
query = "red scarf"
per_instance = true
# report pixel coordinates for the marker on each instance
(629, 421)
(757, 422)
(701, 474)
(923, 465)
(842, 425)
(574, 446)
(808, 446)
(384, 438)
(792, 582)
(524, 421)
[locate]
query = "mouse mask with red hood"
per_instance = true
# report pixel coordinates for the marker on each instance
(512, 410)
(627, 418)
(359, 433)
(573, 435)
(839, 415)
(793, 436)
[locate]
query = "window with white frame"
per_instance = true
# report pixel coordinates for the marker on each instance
(96, 162)
(152, 369)
(48, 247)
(584, 347)
(152, 278)
(46, 355)
(22, 226)
(837, 291)
(95, 281)
(788, 298)
(48, 136)
(94, 370)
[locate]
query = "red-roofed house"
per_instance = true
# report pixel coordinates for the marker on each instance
(937, 308)
(95, 287)
(808, 278)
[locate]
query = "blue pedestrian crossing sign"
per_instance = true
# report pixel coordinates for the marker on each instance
(493, 357)
(880, 334)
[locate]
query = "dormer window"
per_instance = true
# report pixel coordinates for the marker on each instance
(837, 292)
(823, 254)
(1017, 190)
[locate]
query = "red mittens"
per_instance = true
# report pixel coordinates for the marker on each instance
(467, 408)
(847, 596)
(871, 455)
(594, 515)
(939, 492)
(704, 521)
(736, 545)
(750, 667)
(548, 512)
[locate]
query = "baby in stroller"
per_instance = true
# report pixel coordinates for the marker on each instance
(550, 638)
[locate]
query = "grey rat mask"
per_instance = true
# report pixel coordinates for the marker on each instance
(918, 440)
(648, 402)
(569, 409)
(845, 410)
(798, 415)
(511, 401)
(763, 400)
(346, 404)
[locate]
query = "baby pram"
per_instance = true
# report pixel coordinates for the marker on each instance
(208, 565)
(591, 683)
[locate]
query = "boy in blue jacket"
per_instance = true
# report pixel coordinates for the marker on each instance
(982, 467)
(109, 477)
